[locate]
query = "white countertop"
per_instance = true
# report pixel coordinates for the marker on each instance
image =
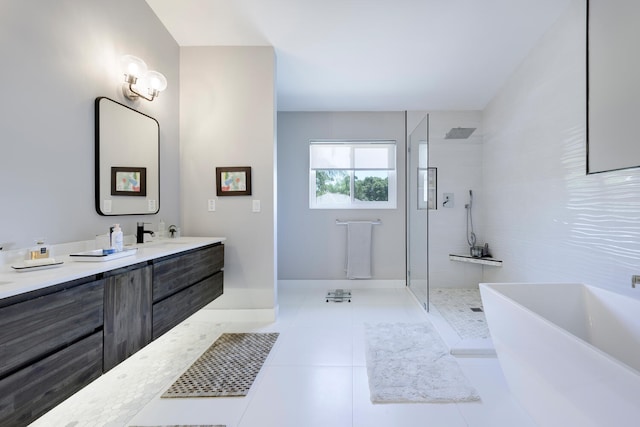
(13, 282)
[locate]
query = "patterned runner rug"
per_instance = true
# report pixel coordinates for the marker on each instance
(227, 368)
(408, 362)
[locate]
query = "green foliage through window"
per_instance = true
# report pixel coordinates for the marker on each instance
(372, 189)
(332, 182)
(367, 188)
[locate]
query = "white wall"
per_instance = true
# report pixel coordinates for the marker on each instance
(227, 118)
(57, 57)
(546, 219)
(311, 246)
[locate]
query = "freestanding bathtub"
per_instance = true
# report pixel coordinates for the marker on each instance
(570, 352)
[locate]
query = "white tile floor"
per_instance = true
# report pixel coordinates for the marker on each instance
(315, 375)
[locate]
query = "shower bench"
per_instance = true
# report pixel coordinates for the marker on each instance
(475, 260)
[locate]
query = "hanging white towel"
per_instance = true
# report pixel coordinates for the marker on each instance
(359, 250)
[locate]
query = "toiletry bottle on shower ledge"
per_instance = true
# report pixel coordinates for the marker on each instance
(485, 251)
(117, 238)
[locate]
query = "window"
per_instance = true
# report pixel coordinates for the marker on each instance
(352, 174)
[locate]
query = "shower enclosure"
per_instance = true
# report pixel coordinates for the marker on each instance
(417, 212)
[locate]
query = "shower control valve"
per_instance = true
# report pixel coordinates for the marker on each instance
(447, 200)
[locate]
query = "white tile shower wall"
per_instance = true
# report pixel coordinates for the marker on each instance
(459, 164)
(548, 220)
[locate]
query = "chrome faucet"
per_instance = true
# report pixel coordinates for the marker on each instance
(140, 232)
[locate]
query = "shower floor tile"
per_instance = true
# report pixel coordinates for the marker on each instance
(462, 308)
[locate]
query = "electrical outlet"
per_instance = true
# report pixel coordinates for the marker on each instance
(212, 205)
(256, 206)
(151, 205)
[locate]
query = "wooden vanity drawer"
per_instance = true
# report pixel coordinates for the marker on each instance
(176, 308)
(32, 329)
(34, 390)
(176, 273)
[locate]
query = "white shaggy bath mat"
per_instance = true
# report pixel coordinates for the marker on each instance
(408, 362)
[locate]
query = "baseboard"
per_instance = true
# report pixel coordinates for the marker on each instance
(341, 284)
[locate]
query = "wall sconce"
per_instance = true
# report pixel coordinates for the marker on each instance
(138, 79)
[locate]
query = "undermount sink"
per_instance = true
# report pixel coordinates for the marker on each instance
(99, 255)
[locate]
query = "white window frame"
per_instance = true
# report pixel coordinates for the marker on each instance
(391, 170)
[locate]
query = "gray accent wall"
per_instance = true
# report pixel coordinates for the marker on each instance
(228, 118)
(311, 246)
(57, 57)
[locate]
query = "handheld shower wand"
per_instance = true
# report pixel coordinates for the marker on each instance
(471, 236)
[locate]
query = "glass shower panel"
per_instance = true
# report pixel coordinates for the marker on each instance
(417, 217)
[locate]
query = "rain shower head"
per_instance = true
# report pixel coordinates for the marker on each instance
(459, 133)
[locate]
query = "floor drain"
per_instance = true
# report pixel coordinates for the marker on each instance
(339, 295)
(477, 309)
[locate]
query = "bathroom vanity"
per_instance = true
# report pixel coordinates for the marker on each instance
(62, 328)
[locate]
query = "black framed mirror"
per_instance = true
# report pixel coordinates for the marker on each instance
(127, 160)
(613, 91)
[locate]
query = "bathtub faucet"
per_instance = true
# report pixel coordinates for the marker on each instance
(635, 280)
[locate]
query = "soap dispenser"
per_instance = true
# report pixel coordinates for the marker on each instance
(117, 238)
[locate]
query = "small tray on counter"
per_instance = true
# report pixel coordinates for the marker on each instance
(25, 266)
(99, 255)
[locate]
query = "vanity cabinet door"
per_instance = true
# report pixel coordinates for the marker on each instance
(127, 313)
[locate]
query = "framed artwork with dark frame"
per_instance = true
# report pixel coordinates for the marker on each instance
(233, 181)
(128, 181)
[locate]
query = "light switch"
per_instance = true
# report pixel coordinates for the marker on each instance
(212, 205)
(151, 205)
(106, 206)
(256, 206)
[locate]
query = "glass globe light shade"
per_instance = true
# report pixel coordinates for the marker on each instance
(156, 81)
(132, 66)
